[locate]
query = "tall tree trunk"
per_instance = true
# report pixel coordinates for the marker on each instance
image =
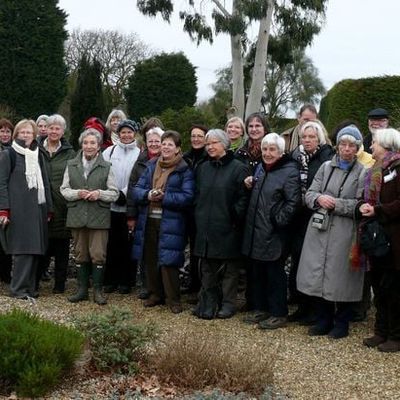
(237, 77)
(258, 78)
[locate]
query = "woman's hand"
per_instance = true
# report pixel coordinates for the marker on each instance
(367, 210)
(155, 195)
(326, 201)
(83, 194)
(248, 182)
(93, 196)
(4, 221)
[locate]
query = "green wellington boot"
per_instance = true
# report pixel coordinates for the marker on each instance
(83, 272)
(98, 276)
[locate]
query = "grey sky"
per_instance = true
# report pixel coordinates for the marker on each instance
(359, 38)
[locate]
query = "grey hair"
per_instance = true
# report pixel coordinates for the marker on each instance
(57, 119)
(43, 117)
(274, 139)
(388, 138)
(317, 127)
(114, 113)
(220, 135)
(350, 139)
(91, 132)
(154, 131)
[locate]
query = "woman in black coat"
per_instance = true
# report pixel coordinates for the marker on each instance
(275, 198)
(220, 208)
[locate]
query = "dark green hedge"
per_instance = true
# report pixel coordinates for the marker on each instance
(354, 98)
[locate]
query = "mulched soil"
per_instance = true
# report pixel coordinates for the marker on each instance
(305, 367)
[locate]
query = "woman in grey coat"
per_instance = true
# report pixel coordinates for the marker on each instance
(325, 271)
(25, 203)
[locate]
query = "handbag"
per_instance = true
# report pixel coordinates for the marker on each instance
(373, 239)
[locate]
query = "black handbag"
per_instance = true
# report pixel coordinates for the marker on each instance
(373, 239)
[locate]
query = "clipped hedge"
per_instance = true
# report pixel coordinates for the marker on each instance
(354, 98)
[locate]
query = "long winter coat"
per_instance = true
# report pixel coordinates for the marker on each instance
(388, 213)
(56, 164)
(275, 198)
(27, 230)
(220, 207)
(324, 269)
(178, 198)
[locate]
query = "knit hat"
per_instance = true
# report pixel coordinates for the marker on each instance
(350, 130)
(95, 123)
(128, 123)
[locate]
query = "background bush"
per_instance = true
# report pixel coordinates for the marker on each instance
(116, 342)
(34, 353)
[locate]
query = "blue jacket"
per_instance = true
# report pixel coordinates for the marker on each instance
(178, 198)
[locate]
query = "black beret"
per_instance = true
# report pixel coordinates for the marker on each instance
(378, 113)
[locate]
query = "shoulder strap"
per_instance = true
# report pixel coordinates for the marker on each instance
(112, 151)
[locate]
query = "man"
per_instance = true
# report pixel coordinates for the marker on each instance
(378, 118)
(307, 112)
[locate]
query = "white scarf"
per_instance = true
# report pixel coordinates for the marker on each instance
(114, 138)
(33, 173)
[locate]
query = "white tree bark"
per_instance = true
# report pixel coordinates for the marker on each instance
(237, 77)
(258, 78)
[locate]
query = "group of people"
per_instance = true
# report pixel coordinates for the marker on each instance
(244, 198)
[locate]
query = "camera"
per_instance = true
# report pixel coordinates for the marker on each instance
(320, 219)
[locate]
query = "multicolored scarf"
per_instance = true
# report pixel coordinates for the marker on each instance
(304, 159)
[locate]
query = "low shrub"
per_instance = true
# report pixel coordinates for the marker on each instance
(200, 361)
(35, 352)
(116, 342)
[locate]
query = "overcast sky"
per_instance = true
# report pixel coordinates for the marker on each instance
(359, 39)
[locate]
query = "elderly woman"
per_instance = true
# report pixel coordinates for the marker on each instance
(220, 209)
(382, 201)
(274, 201)
(57, 152)
(89, 188)
(325, 271)
(164, 194)
(312, 152)
(256, 128)
(235, 129)
(6, 128)
(25, 202)
(113, 120)
(122, 156)
(41, 123)
(152, 151)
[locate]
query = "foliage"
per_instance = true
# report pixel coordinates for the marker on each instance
(116, 342)
(32, 69)
(87, 100)
(161, 82)
(181, 121)
(35, 353)
(202, 361)
(354, 98)
(116, 52)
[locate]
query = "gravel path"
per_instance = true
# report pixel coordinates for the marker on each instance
(305, 367)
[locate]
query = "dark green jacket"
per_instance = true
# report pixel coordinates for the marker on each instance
(220, 207)
(56, 164)
(83, 213)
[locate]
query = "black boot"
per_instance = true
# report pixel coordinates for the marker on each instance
(83, 272)
(98, 276)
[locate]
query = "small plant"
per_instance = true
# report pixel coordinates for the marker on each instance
(115, 341)
(201, 361)
(35, 352)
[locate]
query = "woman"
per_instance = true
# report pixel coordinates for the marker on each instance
(25, 203)
(164, 193)
(312, 152)
(382, 201)
(57, 152)
(98, 124)
(113, 120)
(220, 208)
(235, 128)
(152, 151)
(89, 188)
(324, 269)
(6, 128)
(275, 198)
(256, 128)
(41, 123)
(122, 156)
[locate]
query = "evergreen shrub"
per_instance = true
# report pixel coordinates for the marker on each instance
(35, 352)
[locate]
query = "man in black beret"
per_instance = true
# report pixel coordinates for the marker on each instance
(378, 118)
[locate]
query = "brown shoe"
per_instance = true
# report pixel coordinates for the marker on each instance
(374, 341)
(273, 323)
(390, 346)
(152, 302)
(176, 308)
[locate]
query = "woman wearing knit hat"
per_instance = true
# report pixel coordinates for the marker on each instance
(326, 269)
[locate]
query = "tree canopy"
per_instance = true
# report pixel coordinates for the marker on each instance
(161, 82)
(32, 68)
